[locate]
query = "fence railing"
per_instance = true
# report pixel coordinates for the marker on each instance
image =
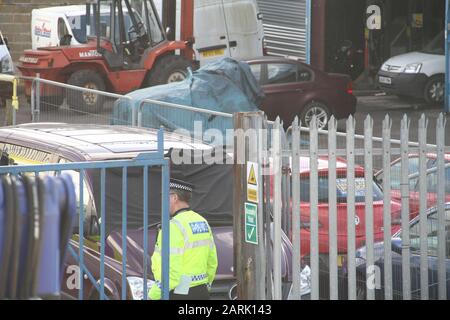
(59, 102)
(85, 171)
(366, 238)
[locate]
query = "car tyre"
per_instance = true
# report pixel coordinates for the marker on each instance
(435, 90)
(320, 110)
(168, 69)
(86, 101)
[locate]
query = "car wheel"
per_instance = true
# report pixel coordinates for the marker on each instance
(435, 90)
(318, 109)
(86, 101)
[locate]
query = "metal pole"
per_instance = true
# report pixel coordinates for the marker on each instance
(165, 220)
(351, 224)
(440, 140)
(406, 242)
(38, 96)
(387, 125)
(314, 211)
(15, 102)
(296, 211)
(277, 167)
(332, 196)
(261, 261)
(249, 256)
(423, 124)
(308, 31)
(447, 58)
(33, 100)
(368, 175)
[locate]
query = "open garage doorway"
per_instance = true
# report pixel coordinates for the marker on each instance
(344, 37)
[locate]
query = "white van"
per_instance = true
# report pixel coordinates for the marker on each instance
(50, 25)
(419, 74)
(6, 62)
(230, 28)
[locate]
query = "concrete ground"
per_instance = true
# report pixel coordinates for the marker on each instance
(377, 106)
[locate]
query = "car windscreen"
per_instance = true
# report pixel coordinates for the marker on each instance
(78, 24)
(341, 190)
(436, 46)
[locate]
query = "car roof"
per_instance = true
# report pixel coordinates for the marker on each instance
(94, 142)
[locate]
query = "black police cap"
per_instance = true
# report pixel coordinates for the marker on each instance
(176, 184)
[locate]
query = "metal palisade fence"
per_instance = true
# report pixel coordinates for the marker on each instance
(368, 217)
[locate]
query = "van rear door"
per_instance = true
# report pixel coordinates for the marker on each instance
(230, 28)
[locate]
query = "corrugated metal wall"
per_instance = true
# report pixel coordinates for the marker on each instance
(285, 26)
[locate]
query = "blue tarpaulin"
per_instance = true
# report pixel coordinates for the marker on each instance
(226, 85)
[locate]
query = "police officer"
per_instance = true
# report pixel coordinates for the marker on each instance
(193, 256)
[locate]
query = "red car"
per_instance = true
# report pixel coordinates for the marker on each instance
(414, 191)
(293, 88)
(341, 191)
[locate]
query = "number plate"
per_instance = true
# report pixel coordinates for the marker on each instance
(213, 53)
(385, 80)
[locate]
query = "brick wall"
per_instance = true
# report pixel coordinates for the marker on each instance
(15, 21)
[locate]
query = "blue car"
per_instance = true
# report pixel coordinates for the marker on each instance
(397, 282)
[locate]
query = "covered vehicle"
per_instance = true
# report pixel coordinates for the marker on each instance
(212, 198)
(225, 85)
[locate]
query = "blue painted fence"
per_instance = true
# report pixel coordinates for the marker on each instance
(145, 161)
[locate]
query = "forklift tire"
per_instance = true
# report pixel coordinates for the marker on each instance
(168, 69)
(85, 101)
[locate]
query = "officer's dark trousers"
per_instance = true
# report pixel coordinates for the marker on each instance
(195, 293)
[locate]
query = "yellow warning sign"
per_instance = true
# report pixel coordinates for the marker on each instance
(252, 195)
(252, 176)
(252, 182)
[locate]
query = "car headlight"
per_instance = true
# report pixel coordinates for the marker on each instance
(361, 256)
(413, 68)
(305, 283)
(385, 67)
(137, 287)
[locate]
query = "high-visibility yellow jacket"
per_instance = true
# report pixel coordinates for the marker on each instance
(192, 253)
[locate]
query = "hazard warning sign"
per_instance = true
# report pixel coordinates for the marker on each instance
(251, 175)
(252, 182)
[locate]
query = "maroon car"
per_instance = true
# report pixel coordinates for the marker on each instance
(213, 198)
(293, 88)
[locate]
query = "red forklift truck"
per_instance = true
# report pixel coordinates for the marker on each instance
(126, 49)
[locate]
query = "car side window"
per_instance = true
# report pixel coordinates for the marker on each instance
(256, 71)
(396, 174)
(432, 237)
(432, 182)
(304, 75)
(88, 200)
(279, 73)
